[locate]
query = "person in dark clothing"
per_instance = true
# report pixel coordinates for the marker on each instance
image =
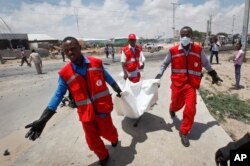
(63, 55)
(24, 58)
(106, 50)
(222, 155)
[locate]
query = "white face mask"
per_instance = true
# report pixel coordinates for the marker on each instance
(185, 41)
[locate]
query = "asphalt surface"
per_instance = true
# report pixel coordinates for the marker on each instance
(155, 141)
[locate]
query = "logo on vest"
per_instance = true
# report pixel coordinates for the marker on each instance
(196, 64)
(99, 82)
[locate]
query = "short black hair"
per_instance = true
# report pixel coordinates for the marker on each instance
(187, 27)
(70, 38)
(239, 42)
(33, 50)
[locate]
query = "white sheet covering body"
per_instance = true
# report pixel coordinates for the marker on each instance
(136, 97)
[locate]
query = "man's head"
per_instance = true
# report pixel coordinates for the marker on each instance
(238, 45)
(72, 49)
(186, 35)
(132, 39)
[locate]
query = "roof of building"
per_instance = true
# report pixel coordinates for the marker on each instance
(40, 37)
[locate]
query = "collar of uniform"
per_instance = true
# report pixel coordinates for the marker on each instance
(85, 62)
(129, 46)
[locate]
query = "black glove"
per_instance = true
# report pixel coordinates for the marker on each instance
(38, 125)
(142, 66)
(215, 77)
(223, 154)
(117, 89)
(158, 76)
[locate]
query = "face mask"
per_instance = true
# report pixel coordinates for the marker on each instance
(185, 41)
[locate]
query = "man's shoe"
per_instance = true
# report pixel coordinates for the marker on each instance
(104, 161)
(114, 144)
(184, 140)
(172, 114)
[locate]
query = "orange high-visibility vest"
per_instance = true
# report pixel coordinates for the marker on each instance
(90, 92)
(186, 69)
(132, 63)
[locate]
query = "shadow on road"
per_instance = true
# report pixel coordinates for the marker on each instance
(197, 129)
(148, 123)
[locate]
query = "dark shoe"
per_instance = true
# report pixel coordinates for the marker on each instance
(172, 114)
(114, 144)
(184, 140)
(104, 161)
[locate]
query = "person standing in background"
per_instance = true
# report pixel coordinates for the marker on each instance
(215, 50)
(106, 50)
(112, 52)
(35, 57)
(238, 60)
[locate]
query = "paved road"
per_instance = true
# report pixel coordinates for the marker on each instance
(154, 142)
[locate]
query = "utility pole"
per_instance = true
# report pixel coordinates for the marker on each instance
(233, 30)
(245, 27)
(210, 24)
(233, 25)
(174, 7)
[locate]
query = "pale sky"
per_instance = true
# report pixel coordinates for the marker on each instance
(118, 18)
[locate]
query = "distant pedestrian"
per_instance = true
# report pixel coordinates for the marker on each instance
(24, 58)
(1, 59)
(112, 52)
(63, 55)
(35, 57)
(106, 50)
(238, 60)
(214, 50)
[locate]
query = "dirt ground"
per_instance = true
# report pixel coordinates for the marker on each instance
(225, 70)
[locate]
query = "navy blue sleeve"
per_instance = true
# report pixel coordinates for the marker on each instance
(58, 95)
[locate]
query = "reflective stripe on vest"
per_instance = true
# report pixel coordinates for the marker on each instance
(132, 60)
(72, 78)
(195, 54)
(177, 55)
(94, 68)
(133, 73)
(97, 96)
(83, 102)
(196, 73)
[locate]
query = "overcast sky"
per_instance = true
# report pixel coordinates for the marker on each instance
(118, 18)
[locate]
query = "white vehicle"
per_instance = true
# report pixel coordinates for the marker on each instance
(152, 47)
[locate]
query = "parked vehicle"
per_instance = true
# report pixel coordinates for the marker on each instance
(152, 47)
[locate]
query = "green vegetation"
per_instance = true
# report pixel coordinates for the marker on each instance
(223, 105)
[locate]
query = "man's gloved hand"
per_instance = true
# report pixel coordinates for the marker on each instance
(158, 76)
(117, 89)
(142, 66)
(125, 76)
(215, 77)
(36, 128)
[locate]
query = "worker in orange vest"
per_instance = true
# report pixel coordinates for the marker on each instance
(187, 59)
(132, 60)
(85, 78)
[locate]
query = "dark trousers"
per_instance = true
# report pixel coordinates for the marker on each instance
(107, 54)
(237, 75)
(24, 59)
(216, 56)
